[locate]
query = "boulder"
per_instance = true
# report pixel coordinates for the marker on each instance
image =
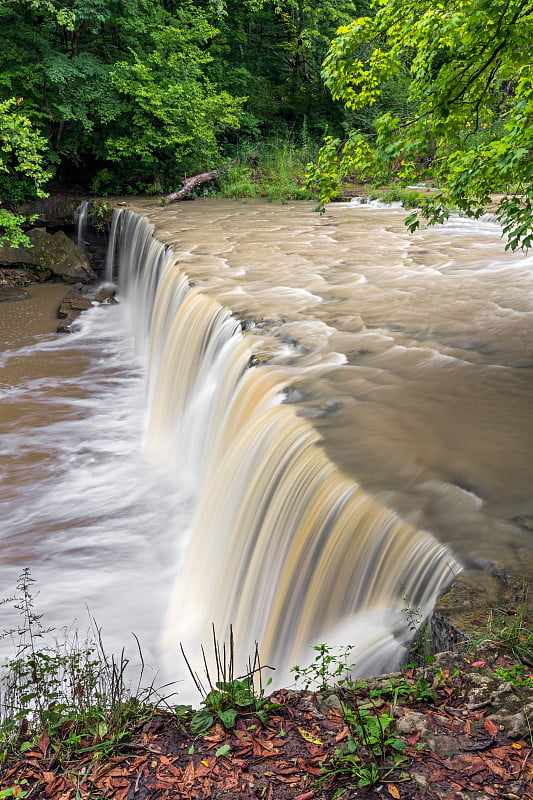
(106, 296)
(54, 252)
(71, 307)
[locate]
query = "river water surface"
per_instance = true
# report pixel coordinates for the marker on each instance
(411, 355)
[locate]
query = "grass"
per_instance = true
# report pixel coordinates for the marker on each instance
(409, 198)
(72, 690)
(273, 170)
(511, 629)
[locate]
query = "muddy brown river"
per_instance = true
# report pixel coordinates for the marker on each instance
(405, 360)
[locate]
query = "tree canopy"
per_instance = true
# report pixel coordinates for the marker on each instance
(131, 95)
(466, 120)
(22, 170)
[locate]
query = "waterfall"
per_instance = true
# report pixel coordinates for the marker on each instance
(81, 217)
(283, 546)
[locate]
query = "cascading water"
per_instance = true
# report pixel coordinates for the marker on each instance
(81, 218)
(283, 546)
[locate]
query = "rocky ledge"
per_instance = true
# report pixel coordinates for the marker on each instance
(79, 299)
(48, 254)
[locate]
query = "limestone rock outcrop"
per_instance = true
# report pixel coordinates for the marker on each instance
(48, 252)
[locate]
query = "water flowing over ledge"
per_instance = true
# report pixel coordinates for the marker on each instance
(283, 546)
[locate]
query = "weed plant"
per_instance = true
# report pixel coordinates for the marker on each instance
(227, 696)
(273, 170)
(372, 750)
(409, 198)
(510, 629)
(73, 691)
(329, 668)
(420, 650)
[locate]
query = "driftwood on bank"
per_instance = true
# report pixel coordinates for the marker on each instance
(191, 183)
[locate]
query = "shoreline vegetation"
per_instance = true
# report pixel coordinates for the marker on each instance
(72, 724)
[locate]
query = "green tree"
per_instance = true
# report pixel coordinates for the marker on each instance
(119, 88)
(172, 111)
(22, 170)
(272, 52)
(467, 119)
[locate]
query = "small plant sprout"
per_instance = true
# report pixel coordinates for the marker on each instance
(228, 696)
(330, 667)
(420, 650)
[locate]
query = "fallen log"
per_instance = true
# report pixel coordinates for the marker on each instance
(191, 183)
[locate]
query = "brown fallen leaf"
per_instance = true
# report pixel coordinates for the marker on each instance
(496, 768)
(188, 775)
(413, 738)
(44, 741)
(285, 770)
(490, 727)
(342, 734)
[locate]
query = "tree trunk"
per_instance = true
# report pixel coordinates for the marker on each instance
(189, 184)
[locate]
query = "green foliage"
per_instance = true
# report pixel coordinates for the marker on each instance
(228, 696)
(120, 89)
(510, 629)
(22, 170)
(329, 668)
(518, 674)
(409, 198)
(372, 751)
(71, 690)
(226, 701)
(420, 650)
(274, 170)
(174, 111)
(272, 52)
(466, 120)
(405, 690)
(130, 95)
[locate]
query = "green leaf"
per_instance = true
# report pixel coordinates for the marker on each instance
(201, 721)
(223, 751)
(228, 718)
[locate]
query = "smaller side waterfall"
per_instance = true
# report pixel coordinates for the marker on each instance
(81, 218)
(283, 546)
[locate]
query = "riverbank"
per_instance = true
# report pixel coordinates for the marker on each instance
(455, 728)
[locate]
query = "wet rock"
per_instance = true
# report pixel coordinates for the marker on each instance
(50, 252)
(12, 293)
(71, 307)
(412, 722)
(106, 296)
(466, 605)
